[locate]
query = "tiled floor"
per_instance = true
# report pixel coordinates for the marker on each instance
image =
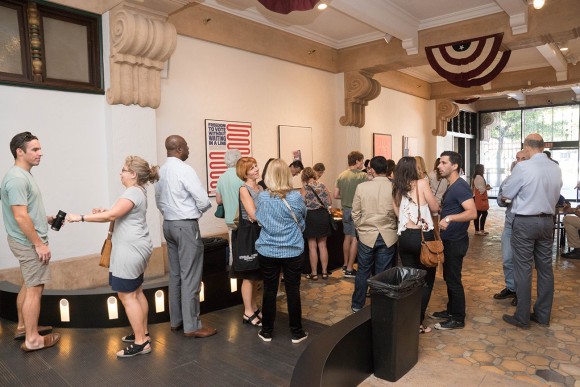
(488, 347)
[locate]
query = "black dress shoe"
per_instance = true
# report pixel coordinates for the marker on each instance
(513, 321)
(505, 293)
(574, 254)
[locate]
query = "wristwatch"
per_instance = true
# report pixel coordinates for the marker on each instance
(447, 220)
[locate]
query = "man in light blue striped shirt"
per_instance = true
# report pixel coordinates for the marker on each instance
(534, 188)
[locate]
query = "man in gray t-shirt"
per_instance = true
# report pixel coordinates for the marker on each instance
(27, 228)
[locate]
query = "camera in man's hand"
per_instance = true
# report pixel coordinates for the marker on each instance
(58, 220)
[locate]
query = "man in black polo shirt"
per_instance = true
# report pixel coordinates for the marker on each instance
(457, 210)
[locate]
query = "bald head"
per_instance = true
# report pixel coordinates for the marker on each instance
(534, 143)
(521, 156)
(177, 147)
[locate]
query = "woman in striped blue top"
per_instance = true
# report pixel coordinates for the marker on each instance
(281, 212)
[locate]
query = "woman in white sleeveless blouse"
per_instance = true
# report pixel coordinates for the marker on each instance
(407, 186)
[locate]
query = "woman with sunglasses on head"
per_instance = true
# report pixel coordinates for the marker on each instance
(132, 249)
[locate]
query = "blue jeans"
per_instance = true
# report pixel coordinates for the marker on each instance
(454, 252)
(381, 256)
(507, 255)
(292, 269)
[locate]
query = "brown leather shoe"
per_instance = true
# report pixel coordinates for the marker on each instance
(200, 333)
(177, 328)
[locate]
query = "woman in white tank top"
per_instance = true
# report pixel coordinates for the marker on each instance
(407, 187)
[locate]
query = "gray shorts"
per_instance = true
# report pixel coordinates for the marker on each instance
(347, 223)
(33, 270)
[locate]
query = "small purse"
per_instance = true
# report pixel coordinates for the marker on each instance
(107, 247)
(431, 251)
(220, 211)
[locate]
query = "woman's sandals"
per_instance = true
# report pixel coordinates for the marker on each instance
(254, 319)
(135, 349)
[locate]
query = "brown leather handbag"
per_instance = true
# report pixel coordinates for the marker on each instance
(107, 247)
(431, 251)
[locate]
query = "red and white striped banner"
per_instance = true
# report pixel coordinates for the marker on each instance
(467, 63)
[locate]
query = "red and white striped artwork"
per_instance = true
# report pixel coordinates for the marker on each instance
(221, 136)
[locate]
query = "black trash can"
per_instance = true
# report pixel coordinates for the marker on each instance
(395, 314)
(215, 257)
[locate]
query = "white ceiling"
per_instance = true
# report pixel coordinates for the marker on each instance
(350, 22)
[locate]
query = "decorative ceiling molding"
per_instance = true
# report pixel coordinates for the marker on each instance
(517, 10)
(141, 42)
(518, 96)
(446, 110)
(384, 16)
(359, 89)
(555, 58)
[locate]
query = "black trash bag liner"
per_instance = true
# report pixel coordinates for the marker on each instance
(213, 243)
(397, 282)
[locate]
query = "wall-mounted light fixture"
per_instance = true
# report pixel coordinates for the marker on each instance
(233, 284)
(202, 293)
(322, 6)
(538, 3)
(159, 302)
(112, 307)
(64, 311)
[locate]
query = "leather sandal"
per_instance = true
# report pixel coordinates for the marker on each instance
(325, 276)
(49, 341)
(313, 277)
(252, 319)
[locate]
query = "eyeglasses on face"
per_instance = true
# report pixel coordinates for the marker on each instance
(125, 170)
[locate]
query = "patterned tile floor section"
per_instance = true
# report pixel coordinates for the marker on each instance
(538, 356)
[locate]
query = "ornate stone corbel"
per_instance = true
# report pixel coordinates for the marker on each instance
(359, 89)
(446, 110)
(488, 120)
(141, 41)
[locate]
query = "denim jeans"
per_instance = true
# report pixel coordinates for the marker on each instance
(454, 253)
(292, 269)
(507, 255)
(381, 256)
(410, 253)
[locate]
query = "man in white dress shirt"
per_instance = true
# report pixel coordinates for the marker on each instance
(182, 200)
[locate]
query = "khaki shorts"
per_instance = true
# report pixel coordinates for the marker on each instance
(33, 270)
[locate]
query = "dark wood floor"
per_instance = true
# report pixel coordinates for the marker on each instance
(86, 357)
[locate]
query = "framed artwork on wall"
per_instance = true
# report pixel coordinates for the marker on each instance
(295, 143)
(410, 146)
(220, 136)
(382, 145)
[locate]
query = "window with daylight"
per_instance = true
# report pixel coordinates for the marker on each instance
(502, 134)
(49, 46)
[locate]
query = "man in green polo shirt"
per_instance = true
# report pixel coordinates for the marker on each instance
(27, 228)
(346, 184)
